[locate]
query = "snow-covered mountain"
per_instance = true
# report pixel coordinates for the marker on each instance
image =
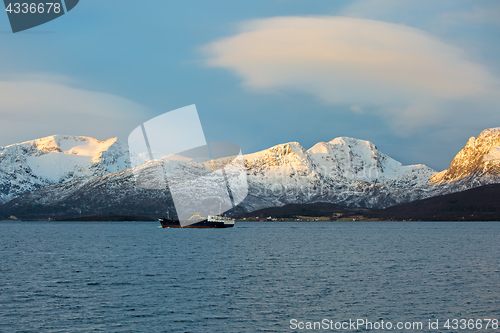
(78, 175)
(27, 166)
(345, 171)
(476, 165)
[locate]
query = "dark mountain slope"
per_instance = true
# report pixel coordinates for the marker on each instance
(477, 204)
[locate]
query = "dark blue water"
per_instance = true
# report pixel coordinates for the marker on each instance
(255, 277)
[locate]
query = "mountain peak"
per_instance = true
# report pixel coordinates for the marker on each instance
(494, 131)
(345, 140)
(74, 145)
(294, 146)
(57, 158)
(479, 157)
(68, 144)
(282, 154)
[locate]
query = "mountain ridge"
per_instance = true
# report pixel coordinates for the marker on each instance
(344, 171)
(476, 204)
(30, 165)
(480, 157)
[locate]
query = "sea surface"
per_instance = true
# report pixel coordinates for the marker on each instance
(255, 277)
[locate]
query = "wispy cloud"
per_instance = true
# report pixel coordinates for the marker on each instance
(43, 104)
(405, 75)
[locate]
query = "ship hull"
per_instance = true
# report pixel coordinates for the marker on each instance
(167, 223)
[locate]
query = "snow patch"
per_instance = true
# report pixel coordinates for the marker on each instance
(55, 167)
(493, 155)
(90, 147)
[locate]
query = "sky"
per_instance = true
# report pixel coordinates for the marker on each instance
(417, 77)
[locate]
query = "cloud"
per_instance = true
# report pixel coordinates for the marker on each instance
(403, 74)
(38, 105)
(400, 11)
(484, 15)
(385, 9)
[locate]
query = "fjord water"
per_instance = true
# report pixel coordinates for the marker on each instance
(255, 277)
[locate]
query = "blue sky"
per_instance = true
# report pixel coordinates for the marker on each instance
(417, 78)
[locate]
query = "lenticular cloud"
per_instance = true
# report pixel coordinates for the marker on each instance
(402, 73)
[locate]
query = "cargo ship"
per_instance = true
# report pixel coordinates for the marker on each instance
(212, 221)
